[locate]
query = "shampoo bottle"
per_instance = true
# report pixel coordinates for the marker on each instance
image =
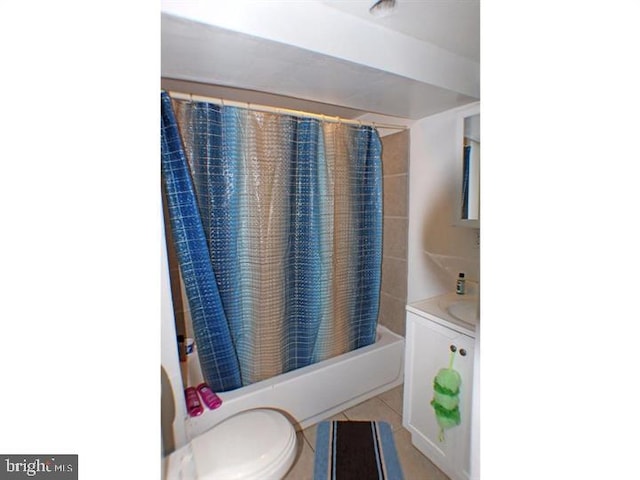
(460, 284)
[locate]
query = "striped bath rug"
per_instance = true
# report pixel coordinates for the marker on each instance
(356, 451)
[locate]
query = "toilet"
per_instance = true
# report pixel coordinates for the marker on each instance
(256, 444)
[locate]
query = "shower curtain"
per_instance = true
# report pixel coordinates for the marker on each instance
(277, 224)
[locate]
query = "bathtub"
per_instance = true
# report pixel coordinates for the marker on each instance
(311, 394)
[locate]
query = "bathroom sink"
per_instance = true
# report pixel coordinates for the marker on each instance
(463, 308)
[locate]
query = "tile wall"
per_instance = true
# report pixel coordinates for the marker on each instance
(395, 171)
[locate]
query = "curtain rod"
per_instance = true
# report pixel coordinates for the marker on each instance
(286, 111)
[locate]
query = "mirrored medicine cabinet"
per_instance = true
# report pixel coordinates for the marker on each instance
(467, 191)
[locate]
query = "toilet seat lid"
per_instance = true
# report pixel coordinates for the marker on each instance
(244, 445)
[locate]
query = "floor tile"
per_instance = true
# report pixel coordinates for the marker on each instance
(303, 467)
(385, 407)
(374, 409)
(393, 398)
(414, 464)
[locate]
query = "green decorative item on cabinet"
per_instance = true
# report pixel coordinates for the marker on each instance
(446, 391)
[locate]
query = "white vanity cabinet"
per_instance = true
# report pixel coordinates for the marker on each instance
(431, 335)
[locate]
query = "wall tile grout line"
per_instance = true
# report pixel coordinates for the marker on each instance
(403, 300)
(391, 257)
(391, 175)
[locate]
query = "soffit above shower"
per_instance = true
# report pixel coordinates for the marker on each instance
(289, 66)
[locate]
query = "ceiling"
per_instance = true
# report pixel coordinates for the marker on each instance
(420, 60)
(453, 25)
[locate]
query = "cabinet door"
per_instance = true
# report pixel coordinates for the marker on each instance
(461, 434)
(428, 350)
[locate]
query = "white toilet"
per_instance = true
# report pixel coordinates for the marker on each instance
(254, 445)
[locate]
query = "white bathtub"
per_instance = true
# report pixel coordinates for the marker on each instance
(311, 394)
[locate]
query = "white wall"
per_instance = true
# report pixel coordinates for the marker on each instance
(437, 249)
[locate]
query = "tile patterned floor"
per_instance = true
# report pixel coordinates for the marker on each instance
(386, 407)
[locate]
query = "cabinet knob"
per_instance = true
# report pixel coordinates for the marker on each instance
(453, 348)
(463, 352)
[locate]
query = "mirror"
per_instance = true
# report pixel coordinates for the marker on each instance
(470, 209)
(467, 205)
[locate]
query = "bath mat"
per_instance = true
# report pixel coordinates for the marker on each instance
(356, 451)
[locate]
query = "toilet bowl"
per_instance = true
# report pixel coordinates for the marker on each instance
(253, 445)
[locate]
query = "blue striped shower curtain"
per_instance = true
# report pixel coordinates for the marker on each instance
(277, 225)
